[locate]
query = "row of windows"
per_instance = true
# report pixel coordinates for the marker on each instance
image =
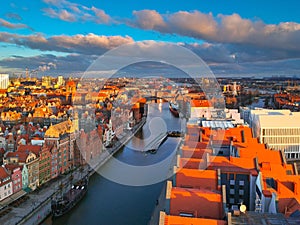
(286, 148)
(17, 181)
(239, 182)
(281, 139)
(44, 166)
(18, 186)
(44, 160)
(280, 131)
(292, 155)
(5, 194)
(46, 173)
(232, 201)
(6, 186)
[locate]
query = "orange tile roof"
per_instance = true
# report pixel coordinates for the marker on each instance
(200, 103)
(196, 178)
(232, 164)
(199, 202)
(270, 163)
(192, 163)
(179, 220)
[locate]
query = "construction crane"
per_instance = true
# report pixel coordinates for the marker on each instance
(31, 73)
(17, 75)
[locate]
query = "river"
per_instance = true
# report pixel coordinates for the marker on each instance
(126, 195)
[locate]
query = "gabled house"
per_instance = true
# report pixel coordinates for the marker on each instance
(15, 172)
(28, 158)
(24, 177)
(6, 187)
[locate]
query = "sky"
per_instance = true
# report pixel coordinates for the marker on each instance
(234, 37)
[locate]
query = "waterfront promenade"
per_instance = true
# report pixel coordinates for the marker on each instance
(38, 206)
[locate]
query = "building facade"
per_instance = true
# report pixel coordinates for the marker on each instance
(62, 137)
(44, 165)
(24, 177)
(278, 129)
(16, 177)
(4, 81)
(6, 187)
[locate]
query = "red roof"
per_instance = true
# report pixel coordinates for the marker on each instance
(3, 173)
(30, 148)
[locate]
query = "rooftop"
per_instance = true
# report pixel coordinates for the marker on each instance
(197, 202)
(180, 220)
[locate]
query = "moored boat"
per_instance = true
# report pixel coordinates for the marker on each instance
(62, 204)
(174, 109)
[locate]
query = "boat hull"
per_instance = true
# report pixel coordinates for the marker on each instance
(61, 206)
(173, 110)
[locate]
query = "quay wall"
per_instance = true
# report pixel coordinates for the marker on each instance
(41, 212)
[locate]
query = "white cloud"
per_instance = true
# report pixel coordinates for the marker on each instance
(222, 28)
(5, 23)
(102, 17)
(46, 67)
(71, 12)
(61, 14)
(149, 20)
(85, 44)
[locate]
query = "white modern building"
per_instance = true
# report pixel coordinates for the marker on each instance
(60, 80)
(4, 81)
(278, 129)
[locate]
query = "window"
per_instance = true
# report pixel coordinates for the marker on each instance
(231, 200)
(271, 183)
(241, 183)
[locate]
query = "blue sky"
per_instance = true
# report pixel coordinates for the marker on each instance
(241, 37)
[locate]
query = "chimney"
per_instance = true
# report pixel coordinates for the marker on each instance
(224, 202)
(178, 161)
(207, 159)
(168, 196)
(219, 179)
(295, 168)
(200, 135)
(283, 157)
(175, 170)
(229, 220)
(231, 146)
(243, 136)
(256, 164)
(296, 187)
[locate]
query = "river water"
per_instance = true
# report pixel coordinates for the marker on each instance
(125, 189)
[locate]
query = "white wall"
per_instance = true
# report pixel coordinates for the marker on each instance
(6, 190)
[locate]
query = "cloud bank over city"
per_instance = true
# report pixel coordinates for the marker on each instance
(229, 43)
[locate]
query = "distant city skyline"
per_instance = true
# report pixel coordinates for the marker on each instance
(238, 38)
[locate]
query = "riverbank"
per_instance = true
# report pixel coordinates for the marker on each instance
(38, 207)
(125, 189)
